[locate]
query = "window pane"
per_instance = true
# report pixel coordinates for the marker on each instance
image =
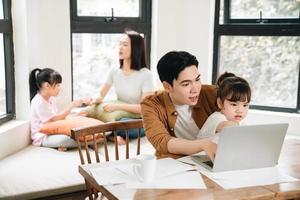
(270, 9)
(221, 13)
(270, 64)
(93, 57)
(122, 8)
(1, 9)
(2, 78)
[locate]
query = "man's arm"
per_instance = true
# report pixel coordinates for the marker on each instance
(188, 147)
(155, 123)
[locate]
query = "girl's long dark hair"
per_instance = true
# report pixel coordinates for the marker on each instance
(233, 88)
(138, 51)
(39, 76)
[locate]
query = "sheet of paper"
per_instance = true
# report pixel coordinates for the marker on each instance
(184, 180)
(168, 166)
(247, 178)
(164, 167)
(170, 174)
(110, 175)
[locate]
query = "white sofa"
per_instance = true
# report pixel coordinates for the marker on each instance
(28, 172)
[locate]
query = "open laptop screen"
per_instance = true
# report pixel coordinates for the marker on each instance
(247, 147)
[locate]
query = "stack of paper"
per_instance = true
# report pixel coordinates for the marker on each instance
(247, 178)
(169, 174)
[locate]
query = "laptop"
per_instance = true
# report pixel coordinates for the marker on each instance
(246, 147)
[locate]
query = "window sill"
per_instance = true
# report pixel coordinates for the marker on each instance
(263, 117)
(14, 136)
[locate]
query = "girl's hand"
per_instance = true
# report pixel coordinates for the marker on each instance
(82, 102)
(110, 107)
(231, 123)
(226, 124)
(76, 103)
(87, 101)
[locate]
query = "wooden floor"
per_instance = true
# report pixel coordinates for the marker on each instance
(70, 196)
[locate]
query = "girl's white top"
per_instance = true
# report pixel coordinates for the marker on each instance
(41, 112)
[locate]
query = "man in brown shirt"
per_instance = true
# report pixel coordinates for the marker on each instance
(173, 117)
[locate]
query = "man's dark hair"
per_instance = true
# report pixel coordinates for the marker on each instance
(172, 63)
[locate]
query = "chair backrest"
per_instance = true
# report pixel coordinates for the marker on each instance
(88, 137)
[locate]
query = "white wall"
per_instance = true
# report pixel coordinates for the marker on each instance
(21, 53)
(183, 25)
(42, 39)
(265, 117)
(49, 40)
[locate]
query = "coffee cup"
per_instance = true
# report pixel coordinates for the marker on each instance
(146, 167)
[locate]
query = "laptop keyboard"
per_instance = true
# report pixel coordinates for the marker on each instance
(209, 163)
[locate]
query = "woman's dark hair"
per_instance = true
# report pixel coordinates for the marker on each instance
(138, 51)
(39, 76)
(174, 62)
(233, 88)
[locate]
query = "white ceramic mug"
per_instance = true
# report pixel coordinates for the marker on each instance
(146, 167)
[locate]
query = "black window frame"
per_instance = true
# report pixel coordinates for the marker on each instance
(253, 27)
(97, 24)
(7, 31)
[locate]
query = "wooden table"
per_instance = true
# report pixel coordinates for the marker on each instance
(289, 161)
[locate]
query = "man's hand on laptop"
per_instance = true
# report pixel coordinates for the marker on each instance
(209, 147)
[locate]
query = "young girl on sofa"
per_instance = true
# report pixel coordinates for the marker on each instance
(44, 87)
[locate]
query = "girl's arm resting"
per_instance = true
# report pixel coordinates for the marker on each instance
(67, 110)
(226, 124)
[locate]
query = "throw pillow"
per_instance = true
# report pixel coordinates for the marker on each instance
(64, 126)
(96, 111)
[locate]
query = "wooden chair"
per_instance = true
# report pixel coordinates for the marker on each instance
(88, 138)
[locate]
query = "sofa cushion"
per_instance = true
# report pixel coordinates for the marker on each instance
(36, 172)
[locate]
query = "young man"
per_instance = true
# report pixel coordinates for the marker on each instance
(173, 118)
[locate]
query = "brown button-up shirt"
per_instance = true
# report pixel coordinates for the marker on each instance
(159, 116)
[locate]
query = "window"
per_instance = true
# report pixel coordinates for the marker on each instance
(96, 27)
(260, 41)
(7, 101)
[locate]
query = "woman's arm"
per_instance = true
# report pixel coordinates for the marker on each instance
(133, 108)
(103, 92)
